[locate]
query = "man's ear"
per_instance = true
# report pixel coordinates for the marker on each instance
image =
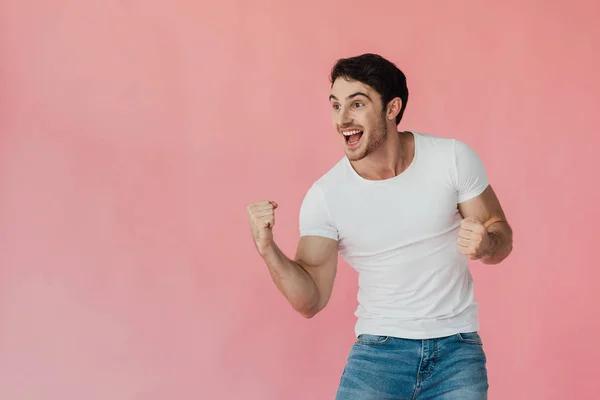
(393, 108)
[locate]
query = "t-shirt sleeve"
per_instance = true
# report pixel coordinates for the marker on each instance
(315, 219)
(470, 176)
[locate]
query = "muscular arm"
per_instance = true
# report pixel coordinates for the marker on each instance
(307, 280)
(486, 207)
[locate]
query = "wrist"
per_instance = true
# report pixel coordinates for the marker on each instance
(266, 250)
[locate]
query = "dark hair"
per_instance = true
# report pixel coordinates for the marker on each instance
(377, 72)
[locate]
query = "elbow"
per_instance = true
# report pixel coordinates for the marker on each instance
(502, 246)
(308, 314)
(499, 256)
(492, 261)
(309, 310)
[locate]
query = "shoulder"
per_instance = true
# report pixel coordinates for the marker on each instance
(336, 174)
(440, 145)
(316, 205)
(433, 142)
(437, 151)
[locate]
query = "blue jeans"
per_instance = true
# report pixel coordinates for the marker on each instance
(388, 368)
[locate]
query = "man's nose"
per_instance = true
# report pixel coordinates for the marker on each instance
(344, 118)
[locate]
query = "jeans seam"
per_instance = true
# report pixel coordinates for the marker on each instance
(418, 380)
(435, 356)
(381, 343)
(469, 341)
(433, 361)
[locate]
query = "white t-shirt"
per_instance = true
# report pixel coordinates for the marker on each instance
(400, 235)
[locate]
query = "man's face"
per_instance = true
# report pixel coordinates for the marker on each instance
(358, 116)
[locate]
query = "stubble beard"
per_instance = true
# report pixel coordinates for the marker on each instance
(376, 139)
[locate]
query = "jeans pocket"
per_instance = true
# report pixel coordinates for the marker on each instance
(470, 338)
(372, 340)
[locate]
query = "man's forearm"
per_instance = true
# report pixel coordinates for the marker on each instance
(292, 280)
(500, 234)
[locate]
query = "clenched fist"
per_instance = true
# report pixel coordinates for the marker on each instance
(473, 239)
(262, 220)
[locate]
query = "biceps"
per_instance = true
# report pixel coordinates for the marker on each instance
(316, 250)
(319, 257)
(486, 207)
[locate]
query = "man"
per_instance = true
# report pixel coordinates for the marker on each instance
(407, 210)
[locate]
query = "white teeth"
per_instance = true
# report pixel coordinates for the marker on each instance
(350, 133)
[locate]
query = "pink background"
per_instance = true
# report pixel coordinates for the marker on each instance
(133, 133)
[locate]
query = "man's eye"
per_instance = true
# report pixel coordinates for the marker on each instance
(336, 106)
(358, 104)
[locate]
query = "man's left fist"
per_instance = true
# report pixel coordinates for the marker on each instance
(473, 238)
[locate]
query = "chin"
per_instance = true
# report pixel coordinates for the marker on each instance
(355, 154)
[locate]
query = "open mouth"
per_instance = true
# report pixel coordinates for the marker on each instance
(352, 137)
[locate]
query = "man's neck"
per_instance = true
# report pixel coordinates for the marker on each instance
(390, 160)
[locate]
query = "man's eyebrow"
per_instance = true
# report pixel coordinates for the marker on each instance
(359, 94)
(351, 96)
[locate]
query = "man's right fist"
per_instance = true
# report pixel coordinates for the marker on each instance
(262, 220)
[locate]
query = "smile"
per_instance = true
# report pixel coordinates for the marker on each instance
(352, 137)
